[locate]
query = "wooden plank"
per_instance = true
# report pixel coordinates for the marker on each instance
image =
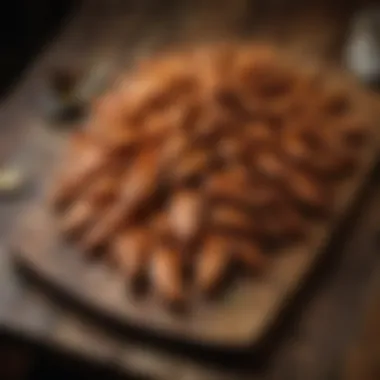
(40, 249)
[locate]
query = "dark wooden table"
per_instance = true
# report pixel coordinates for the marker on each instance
(313, 339)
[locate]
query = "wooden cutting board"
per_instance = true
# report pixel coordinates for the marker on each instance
(240, 319)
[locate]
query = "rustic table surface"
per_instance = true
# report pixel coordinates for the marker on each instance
(312, 340)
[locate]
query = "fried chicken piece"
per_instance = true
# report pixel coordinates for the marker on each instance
(160, 89)
(85, 160)
(230, 184)
(295, 146)
(131, 251)
(77, 217)
(166, 275)
(258, 134)
(138, 186)
(315, 153)
(185, 215)
(172, 150)
(212, 264)
(92, 201)
(308, 192)
(228, 218)
(109, 124)
(210, 128)
(159, 223)
(270, 164)
(231, 150)
(105, 187)
(190, 167)
(176, 119)
(240, 188)
(262, 194)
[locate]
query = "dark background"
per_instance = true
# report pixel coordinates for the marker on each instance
(25, 26)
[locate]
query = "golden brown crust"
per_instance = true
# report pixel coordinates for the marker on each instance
(212, 263)
(84, 160)
(186, 216)
(130, 251)
(166, 274)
